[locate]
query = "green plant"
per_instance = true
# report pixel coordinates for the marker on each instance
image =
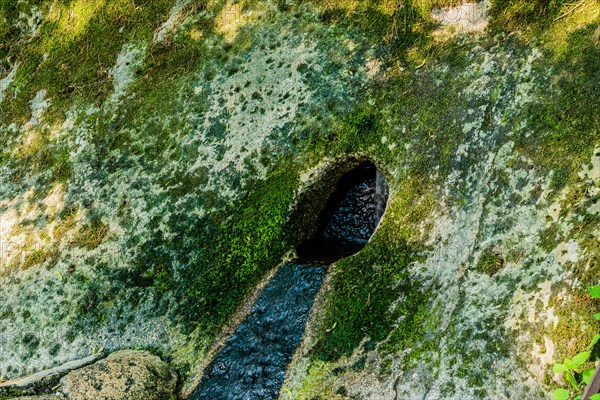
(573, 368)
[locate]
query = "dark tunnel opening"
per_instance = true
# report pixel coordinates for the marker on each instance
(350, 216)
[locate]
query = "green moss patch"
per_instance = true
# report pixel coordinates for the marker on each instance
(490, 262)
(362, 291)
(74, 49)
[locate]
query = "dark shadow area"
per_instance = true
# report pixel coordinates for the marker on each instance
(349, 218)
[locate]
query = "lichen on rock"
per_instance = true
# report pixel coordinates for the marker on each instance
(126, 374)
(155, 156)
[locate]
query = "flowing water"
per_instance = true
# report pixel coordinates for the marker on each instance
(253, 363)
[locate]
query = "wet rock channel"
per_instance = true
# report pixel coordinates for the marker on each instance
(253, 362)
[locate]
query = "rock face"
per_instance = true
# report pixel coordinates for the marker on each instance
(123, 375)
(153, 154)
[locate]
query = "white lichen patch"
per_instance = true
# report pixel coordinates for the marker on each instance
(38, 105)
(594, 209)
(8, 219)
(253, 107)
(6, 81)
(567, 252)
(14, 237)
(544, 357)
(467, 17)
(554, 211)
(122, 73)
(542, 295)
(29, 22)
(49, 323)
(176, 17)
(54, 201)
(373, 67)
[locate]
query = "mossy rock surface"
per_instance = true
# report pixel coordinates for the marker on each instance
(157, 156)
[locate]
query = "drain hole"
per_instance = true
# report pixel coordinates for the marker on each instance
(350, 216)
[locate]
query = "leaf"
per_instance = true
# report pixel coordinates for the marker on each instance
(581, 357)
(578, 398)
(595, 397)
(558, 368)
(594, 292)
(570, 364)
(587, 375)
(597, 316)
(595, 340)
(571, 380)
(560, 394)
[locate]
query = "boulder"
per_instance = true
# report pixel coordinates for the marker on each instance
(125, 374)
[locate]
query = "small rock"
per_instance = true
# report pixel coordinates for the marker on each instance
(125, 374)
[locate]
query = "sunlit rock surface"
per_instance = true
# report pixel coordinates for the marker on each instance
(126, 374)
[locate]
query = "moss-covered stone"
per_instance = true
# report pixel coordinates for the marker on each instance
(157, 157)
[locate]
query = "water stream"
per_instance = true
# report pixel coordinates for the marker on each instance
(253, 363)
